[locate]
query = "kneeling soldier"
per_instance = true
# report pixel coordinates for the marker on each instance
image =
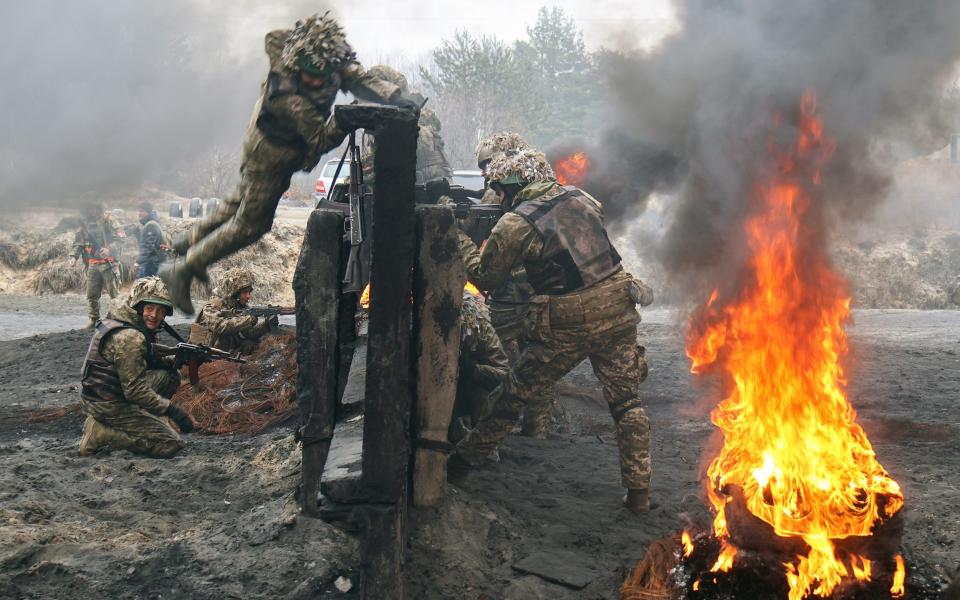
(125, 388)
(223, 323)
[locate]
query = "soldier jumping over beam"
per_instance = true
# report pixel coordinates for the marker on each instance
(291, 128)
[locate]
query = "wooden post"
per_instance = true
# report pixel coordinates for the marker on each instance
(316, 286)
(438, 293)
(389, 390)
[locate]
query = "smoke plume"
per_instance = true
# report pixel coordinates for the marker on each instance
(104, 95)
(707, 94)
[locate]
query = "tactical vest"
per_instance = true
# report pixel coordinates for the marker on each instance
(99, 380)
(576, 250)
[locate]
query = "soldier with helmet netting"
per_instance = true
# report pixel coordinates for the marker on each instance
(125, 387)
(584, 307)
(223, 324)
(291, 128)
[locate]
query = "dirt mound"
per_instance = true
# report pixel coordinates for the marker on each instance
(245, 398)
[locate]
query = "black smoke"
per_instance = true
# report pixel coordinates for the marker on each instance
(704, 101)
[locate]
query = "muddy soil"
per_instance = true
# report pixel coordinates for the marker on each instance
(219, 520)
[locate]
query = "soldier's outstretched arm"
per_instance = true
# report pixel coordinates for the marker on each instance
(127, 350)
(511, 241)
(367, 87)
(228, 322)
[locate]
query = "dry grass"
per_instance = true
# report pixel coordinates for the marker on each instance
(58, 278)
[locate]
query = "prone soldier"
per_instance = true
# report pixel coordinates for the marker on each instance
(126, 387)
(98, 232)
(223, 321)
(290, 129)
(584, 308)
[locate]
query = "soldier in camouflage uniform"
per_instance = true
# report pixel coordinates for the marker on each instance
(98, 232)
(291, 128)
(510, 302)
(222, 322)
(432, 163)
(483, 368)
(126, 389)
(584, 307)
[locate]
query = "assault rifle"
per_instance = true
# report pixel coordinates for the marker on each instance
(477, 219)
(353, 275)
(194, 355)
(268, 310)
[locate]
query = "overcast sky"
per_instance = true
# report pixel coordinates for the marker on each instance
(409, 29)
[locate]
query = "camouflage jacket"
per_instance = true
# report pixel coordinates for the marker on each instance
(291, 115)
(222, 324)
(129, 350)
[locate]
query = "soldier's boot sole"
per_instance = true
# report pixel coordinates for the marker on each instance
(95, 437)
(178, 279)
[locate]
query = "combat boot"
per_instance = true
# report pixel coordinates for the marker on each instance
(637, 501)
(96, 435)
(178, 277)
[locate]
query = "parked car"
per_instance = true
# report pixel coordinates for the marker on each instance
(325, 181)
(470, 179)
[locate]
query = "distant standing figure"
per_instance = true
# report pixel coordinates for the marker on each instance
(152, 242)
(93, 245)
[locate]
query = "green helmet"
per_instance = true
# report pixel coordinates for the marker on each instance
(523, 167)
(388, 73)
(233, 281)
(317, 47)
(149, 290)
(497, 144)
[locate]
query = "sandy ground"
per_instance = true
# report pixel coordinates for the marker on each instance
(219, 521)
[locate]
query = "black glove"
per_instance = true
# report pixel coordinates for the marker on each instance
(181, 418)
(273, 321)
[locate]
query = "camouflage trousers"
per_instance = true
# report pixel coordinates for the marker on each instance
(615, 358)
(246, 214)
(125, 426)
(99, 278)
(507, 320)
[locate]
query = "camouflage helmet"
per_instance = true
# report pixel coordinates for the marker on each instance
(523, 167)
(497, 143)
(388, 73)
(234, 281)
(149, 290)
(317, 46)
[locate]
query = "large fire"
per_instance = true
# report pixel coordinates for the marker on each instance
(790, 440)
(573, 169)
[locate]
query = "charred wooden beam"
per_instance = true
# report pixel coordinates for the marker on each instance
(316, 285)
(438, 292)
(389, 387)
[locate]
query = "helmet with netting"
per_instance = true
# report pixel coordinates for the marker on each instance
(523, 167)
(317, 46)
(498, 143)
(233, 281)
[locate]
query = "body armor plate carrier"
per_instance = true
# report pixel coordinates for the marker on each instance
(576, 250)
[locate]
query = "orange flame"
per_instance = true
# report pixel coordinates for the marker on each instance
(573, 169)
(791, 442)
(687, 544)
(899, 576)
(365, 296)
